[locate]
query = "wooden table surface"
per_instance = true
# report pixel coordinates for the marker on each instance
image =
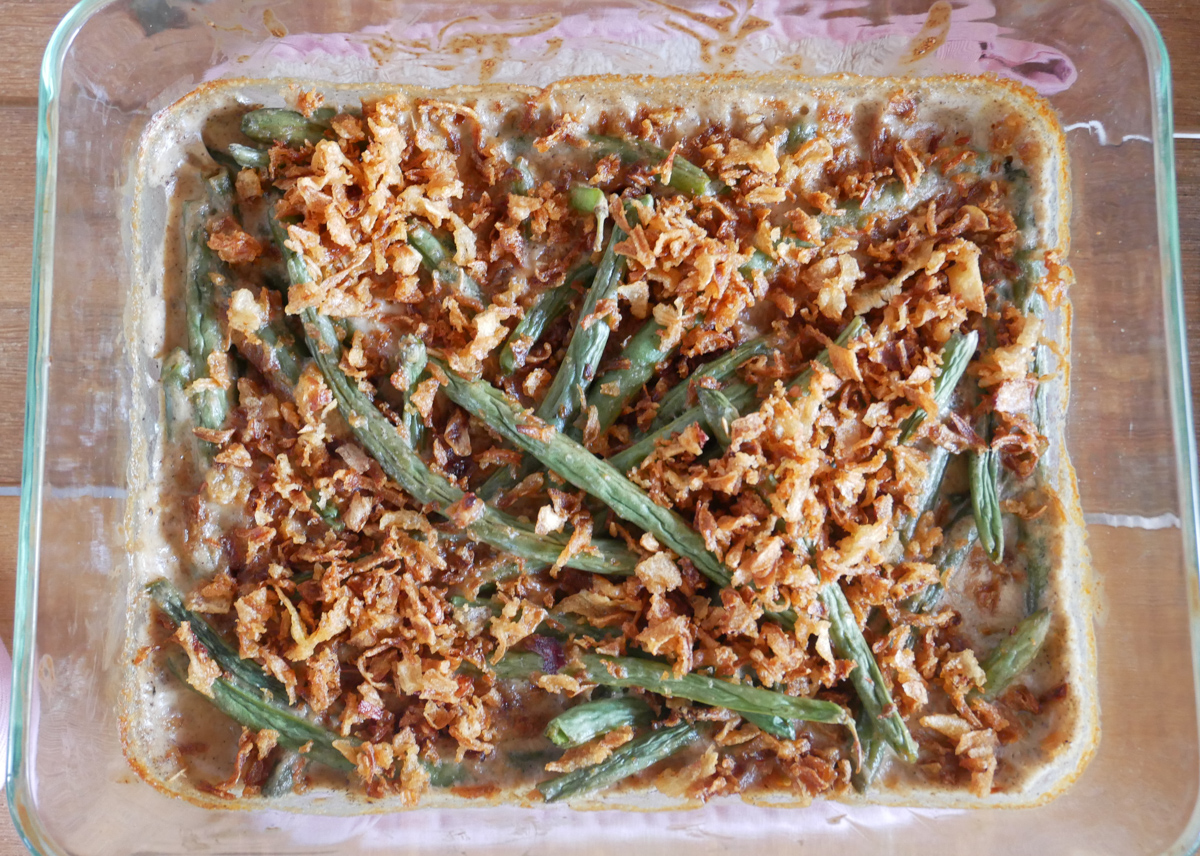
(26, 26)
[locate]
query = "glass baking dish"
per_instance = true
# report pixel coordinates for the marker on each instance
(114, 63)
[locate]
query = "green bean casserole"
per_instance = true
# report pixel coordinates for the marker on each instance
(628, 442)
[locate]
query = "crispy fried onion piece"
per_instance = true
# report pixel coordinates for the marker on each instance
(975, 748)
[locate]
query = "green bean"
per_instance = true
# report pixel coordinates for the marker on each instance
(556, 624)
(206, 277)
(245, 672)
(248, 157)
(719, 370)
(985, 501)
(273, 353)
(297, 269)
(1014, 655)
(587, 344)
(585, 722)
(327, 510)
(526, 183)
(799, 133)
(867, 678)
(894, 196)
(282, 780)
(686, 177)
(742, 396)
(577, 465)
(440, 263)
(935, 474)
(412, 361)
(578, 366)
(1025, 292)
(636, 673)
(176, 378)
(776, 726)
(1040, 412)
(957, 544)
(549, 306)
(276, 125)
(614, 389)
(874, 751)
(402, 465)
(956, 356)
(760, 261)
(719, 414)
(1037, 563)
(584, 198)
(250, 710)
(636, 755)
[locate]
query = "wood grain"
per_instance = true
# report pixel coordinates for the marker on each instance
(27, 26)
(18, 161)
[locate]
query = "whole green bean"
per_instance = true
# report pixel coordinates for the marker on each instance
(206, 277)
(276, 125)
(412, 361)
(628, 760)
(956, 356)
(874, 751)
(867, 678)
(549, 306)
(636, 673)
(245, 672)
(935, 474)
(686, 177)
(742, 396)
(614, 389)
(674, 402)
(955, 547)
(985, 501)
(578, 367)
(587, 344)
(438, 260)
(577, 465)
(176, 377)
(246, 156)
(249, 709)
(1014, 655)
(719, 414)
(587, 721)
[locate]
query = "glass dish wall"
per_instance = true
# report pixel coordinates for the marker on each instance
(113, 65)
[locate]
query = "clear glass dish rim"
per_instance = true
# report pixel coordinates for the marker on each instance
(41, 292)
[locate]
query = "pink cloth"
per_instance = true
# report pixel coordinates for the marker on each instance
(824, 37)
